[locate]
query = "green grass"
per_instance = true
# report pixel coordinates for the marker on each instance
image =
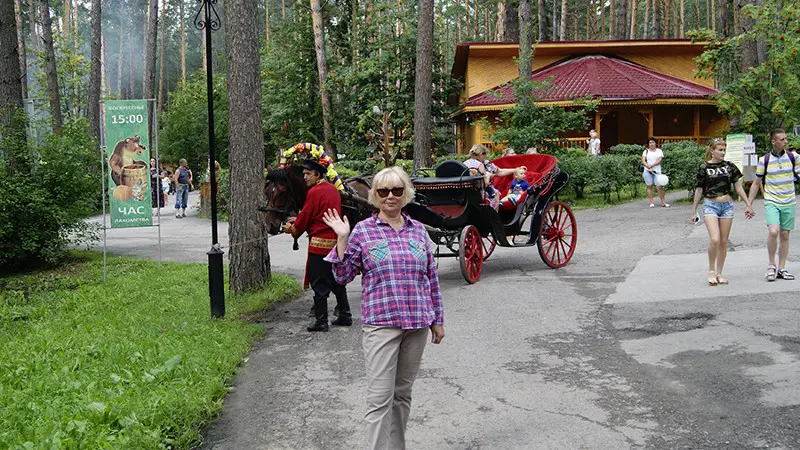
(135, 363)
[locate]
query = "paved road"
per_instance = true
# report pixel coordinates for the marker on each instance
(626, 347)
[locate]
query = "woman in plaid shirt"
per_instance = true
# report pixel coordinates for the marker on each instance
(401, 300)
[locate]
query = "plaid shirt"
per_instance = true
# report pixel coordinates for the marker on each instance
(400, 284)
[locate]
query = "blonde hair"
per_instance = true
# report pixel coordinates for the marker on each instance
(381, 180)
(520, 170)
(477, 150)
(712, 146)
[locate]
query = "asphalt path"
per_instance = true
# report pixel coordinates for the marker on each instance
(625, 347)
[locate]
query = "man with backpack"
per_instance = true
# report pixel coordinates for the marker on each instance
(183, 183)
(776, 172)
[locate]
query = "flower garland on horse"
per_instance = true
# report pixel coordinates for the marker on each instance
(317, 152)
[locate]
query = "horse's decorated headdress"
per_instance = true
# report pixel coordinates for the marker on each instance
(318, 153)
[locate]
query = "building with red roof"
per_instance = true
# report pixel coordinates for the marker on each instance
(644, 88)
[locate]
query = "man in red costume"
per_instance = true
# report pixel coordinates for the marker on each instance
(321, 196)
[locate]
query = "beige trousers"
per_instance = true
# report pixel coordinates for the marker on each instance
(392, 356)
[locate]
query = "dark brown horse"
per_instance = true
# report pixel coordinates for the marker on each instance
(285, 192)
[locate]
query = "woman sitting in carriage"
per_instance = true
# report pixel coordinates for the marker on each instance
(479, 164)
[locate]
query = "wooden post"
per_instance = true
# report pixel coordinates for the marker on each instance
(597, 124)
(650, 119)
(696, 123)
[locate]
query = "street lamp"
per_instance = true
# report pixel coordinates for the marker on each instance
(216, 281)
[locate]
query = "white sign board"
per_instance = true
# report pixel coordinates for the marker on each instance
(742, 152)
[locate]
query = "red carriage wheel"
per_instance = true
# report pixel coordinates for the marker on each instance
(470, 254)
(489, 244)
(558, 235)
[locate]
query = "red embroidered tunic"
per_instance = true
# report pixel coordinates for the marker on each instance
(319, 199)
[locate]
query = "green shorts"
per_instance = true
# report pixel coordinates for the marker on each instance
(780, 215)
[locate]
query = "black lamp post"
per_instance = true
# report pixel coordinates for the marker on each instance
(216, 281)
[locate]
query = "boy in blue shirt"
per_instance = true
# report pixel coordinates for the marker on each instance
(517, 187)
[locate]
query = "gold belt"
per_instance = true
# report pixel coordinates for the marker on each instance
(322, 243)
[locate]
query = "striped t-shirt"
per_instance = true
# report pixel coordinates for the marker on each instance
(778, 183)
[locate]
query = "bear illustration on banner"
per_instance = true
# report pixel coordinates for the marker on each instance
(129, 174)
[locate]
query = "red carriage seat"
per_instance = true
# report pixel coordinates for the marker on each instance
(537, 167)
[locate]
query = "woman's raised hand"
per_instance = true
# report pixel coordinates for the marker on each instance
(339, 225)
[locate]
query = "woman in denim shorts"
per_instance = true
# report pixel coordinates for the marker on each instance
(714, 180)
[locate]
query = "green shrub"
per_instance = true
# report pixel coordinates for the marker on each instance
(684, 145)
(357, 167)
(627, 149)
(580, 170)
(43, 207)
(681, 165)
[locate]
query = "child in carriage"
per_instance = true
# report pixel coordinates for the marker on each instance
(517, 187)
(481, 165)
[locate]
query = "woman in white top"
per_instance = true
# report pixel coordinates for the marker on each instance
(651, 160)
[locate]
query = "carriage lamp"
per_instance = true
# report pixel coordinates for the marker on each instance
(209, 22)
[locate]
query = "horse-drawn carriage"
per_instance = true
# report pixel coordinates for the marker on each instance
(451, 206)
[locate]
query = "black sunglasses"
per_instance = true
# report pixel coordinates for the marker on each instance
(384, 192)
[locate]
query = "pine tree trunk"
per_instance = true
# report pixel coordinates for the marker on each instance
(267, 25)
(50, 67)
(622, 16)
(283, 11)
(713, 18)
(21, 53)
(10, 72)
(683, 19)
(499, 28)
(149, 87)
(634, 7)
(183, 40)
(131, 85)
(612, 20)
(698, 22)
(542, 22)
(203, 50)
(32, 17)
(249, 254)
(562, 32)
(15, 156)
(66, 25)
(657, 19)
(322, 71)
(646, 34)
(589, 6)
(736, 24)
(120, 59)
(525, 49)
(675, 23)
(161, 57)
(96, 66)
(510, 22)
(603, 35)
(423, 91)
(749, 50)
(667, 16)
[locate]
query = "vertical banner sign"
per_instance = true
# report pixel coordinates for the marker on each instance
(128, 163)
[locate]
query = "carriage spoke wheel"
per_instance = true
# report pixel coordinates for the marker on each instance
(489, 244)
(558, 235)
(470, 254)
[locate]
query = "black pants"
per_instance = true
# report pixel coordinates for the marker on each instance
(320, 276)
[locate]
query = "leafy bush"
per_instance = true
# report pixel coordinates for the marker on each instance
(43, 207)
(580, 170)
(627, 149)
(681, 166)
(362, 167)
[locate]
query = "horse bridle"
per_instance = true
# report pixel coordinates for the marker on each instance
(288, 208)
